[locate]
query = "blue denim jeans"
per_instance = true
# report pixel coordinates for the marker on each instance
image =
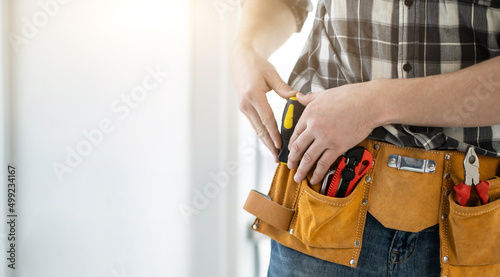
(385, 252)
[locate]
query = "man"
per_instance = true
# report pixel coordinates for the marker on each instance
(410, 73)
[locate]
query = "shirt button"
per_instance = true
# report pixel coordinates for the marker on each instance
(407, 67)
(408, 3)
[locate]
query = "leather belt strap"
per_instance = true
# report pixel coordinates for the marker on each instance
(411, 201)
(261, 206)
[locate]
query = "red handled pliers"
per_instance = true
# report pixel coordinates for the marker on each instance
(471, 172)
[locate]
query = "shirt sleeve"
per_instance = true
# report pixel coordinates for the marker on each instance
(300, 8)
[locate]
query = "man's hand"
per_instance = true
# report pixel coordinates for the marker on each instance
(254, 76)
(265, 26)
(334, 121)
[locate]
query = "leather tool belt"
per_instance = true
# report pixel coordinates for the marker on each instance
(407, 189)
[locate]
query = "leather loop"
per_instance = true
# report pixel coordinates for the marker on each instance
(261, 206)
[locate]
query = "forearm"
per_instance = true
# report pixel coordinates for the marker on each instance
(337, 119)
(467, 98)
(265, 25)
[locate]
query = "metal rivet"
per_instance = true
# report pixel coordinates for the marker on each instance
(392, 161)
(376, 146)
(472, 159)
(291, 231)
(368, 179)
(255, 226)
(443, 216)
(447, 157)
(352, 262)
(365, 201)
(432, 166)
(445, 259)
(357, 244)
(447, 175)
(447, 192)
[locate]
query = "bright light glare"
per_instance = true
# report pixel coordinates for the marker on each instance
(147, 12)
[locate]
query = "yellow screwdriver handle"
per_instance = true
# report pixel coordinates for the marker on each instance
(291, 114)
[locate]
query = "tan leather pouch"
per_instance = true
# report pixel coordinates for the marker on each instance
(470, 236)
(299, 217)
(324, 227)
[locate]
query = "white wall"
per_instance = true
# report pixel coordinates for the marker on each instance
(215, 166)
(116, 212)
(123, 209)
(3, 133)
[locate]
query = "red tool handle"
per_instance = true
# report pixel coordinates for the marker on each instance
(349, 176)
(335, 183)
(463, 193)
(482, 191)
(362, 168)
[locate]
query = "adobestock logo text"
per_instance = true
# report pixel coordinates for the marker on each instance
(31, 27)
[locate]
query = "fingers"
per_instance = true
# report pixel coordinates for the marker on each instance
(299, 129)
(279, 86)
(306, 99)
(261, 130)
(266, 118)
(323, 164)
(311, 155)
(315, 157)
(299, 148)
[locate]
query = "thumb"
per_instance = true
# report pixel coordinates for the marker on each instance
(306, 99)
(279, 86)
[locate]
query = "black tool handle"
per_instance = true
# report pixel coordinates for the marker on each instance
(291, 114)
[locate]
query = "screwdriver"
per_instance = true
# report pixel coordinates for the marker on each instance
(291, 114)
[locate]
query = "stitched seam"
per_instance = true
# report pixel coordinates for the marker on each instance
(443, 153)
(273, 184)
(297, 210)
(327, 248)
(286, 192)
(295, 205)
(360, 218)
(412, 149)
(412, 251)
(478, 213)
(355, 252)
(417, 149)
(331, 204)
(391, 247)
(362, 214)
(295, 202)
(446, 221)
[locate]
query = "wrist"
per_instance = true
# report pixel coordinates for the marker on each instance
(396, 100)
(381, 102)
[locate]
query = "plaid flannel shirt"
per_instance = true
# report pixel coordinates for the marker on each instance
(360, 40)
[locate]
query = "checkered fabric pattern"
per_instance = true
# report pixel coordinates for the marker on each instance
(360, 40)
(300, 8)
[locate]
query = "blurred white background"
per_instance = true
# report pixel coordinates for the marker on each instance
(131, 157)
